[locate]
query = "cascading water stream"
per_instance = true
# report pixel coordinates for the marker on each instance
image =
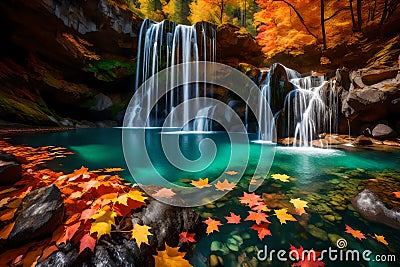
(165, 44)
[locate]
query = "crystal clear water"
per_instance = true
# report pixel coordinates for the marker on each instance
(326, 178)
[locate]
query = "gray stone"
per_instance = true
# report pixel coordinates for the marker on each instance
(382, 131)
(39, 214)
(373, 209)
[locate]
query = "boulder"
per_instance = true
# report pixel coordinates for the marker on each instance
(39, 214)
(373, 209)
(166, 223)
(382, 131)
(362, 140)
(10, 172)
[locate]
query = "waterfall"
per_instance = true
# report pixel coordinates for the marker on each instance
(165, 44)
(303, 107)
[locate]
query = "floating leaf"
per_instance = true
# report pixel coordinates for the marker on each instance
(281, 177)
(201, 183)
(231, 172)
(283, 216)
(299, 205)
(212, 225)
(164, 193)
(381, 238)
(355, 233)
(262, 230)
(225, 185)
(250, 199)
(233, 218)
(258, 217)
(140, 233)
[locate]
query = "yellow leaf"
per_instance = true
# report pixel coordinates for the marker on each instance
(201, 183)
(170, 257)
(231, 172)
(225, 185)
(283, 216)
(381, 238)
(140, 233)
(299, 205)
(103, 222)
(281, 177)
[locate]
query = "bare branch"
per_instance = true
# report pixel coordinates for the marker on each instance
(337, 12)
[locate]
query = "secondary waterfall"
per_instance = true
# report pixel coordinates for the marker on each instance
(166, 44)
(303, 107)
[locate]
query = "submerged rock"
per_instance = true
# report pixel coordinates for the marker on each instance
(373, 209)
(39, 214)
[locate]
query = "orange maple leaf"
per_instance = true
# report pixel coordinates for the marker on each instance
(69, 233)
(233, 218)
(381, 238)
(231, 172)
(170, 257)
(225, 185)
(250, 200)
(212, 225)
(164, 193)
(258, 217)
(201, 183)
(355, 233)
(396, 194)
(262, 230)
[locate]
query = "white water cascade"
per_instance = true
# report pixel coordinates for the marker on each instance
(166, 44)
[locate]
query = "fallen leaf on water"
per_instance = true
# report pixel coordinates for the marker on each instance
(233, 218)
(164, 193)
(283, 216)
(225, 185)
(262, 230)
(381, 238)
(201, 183)
(186, 237)
(250, 200)
(212, 225)
(355, 233)
(299, 205)
(281, 177)
(231, 172)
(258, 217)
(140, 234)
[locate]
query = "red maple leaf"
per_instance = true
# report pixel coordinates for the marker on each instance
(262, 230)
(307, 258)
(87, 241)
(233, 218)
(186, 237)
(355, 233)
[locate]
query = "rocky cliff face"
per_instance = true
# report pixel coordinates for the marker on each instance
(68, 61)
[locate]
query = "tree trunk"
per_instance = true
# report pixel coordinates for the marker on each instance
(352, 15)
(222, 11)
(323, 23)
(359, 16)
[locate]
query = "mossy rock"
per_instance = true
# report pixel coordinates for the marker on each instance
(108, 69)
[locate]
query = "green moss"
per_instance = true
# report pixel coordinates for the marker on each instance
(107, 69)
(23, 110)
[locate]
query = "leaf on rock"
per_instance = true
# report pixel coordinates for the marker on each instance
(170, 257)
(225, 185)
(212, 225)
(87, 213)
(231, 172)
(201, 183)
(164, 193)
(140, 234)
(258, 217)
(103, 222)
(186, 237)
(396, 194)
(283, 216)
(262, 230)
(86, 186)
(48, 251)
(114, 170)
(4, 201)
(299, 205)
(355, 233)
(233, 218)
(87, 241)
(381, 238)
(281, 177)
